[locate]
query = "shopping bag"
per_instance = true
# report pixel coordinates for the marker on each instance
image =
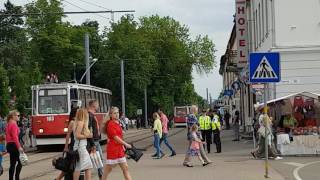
(134, 153)
(23, 158)
(96, 160)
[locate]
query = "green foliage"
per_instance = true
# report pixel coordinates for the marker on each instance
(4, 92)
(158, 53)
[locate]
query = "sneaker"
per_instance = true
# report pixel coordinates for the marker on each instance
(162, 155)
(155, 155)
(278, 158)
(173, 154)
(204, 164)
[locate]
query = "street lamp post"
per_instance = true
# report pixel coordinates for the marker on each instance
(88, 69)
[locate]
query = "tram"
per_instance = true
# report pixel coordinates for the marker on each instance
(51, 106)
(180, 115)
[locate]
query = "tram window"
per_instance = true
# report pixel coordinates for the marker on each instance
(103, 104)
(34, 101)
(88, 97)
(107, 101)
(100, 102)
(82, 97)
(73, 93)
(53, 101)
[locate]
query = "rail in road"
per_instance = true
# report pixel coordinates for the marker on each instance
(40, 162)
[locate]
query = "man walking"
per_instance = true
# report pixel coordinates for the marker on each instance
(205, 128)
(165, 131)
(216, 128)
(94, 142)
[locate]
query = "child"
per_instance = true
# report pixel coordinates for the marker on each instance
(195, 145)
(157, 131)
(2, 152)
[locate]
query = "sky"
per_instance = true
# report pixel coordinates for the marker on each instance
(206, 17)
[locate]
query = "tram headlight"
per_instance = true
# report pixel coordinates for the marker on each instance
(65, 130)
(41, 131)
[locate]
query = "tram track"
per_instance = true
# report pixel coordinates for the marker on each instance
(39, 175)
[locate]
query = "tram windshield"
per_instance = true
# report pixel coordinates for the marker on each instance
(53, 101)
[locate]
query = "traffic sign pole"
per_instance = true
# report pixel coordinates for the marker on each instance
(265, 128)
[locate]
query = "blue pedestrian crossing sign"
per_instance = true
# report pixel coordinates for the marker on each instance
(264, 67)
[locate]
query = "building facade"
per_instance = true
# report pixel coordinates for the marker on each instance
(290, 27)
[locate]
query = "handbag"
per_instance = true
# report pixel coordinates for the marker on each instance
(195, 145)
(23, 158)
(134, 153)
(96, 160)
(1, 170)
(61, 163)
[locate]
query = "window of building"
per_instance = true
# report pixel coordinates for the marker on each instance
(260, 29)
(267, 18)
(256, 29)
(263, 18)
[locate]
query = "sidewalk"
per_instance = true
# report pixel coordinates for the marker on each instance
(234, 163)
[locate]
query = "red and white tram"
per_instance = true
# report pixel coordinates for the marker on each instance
(51, 106)
(180, 115)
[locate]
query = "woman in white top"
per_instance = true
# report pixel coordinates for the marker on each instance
(81, 133)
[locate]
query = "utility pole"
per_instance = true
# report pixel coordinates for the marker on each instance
(87, 54)
(145, 107)
(74, 73)
(122, 89)
(207, 95)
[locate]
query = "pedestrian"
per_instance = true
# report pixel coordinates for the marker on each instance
(22, 131)
(94, 142)
(2, 126)
(216, 129)
(191, 120)
(2, 151)
(236, 126)
(115, 146)
(165, 132)
(205, 128)
(69, 143)
(126, 121)
(227, 119)
(194, 149)
(265, 125)
(157, 134)
(14, 147)
(81, 134)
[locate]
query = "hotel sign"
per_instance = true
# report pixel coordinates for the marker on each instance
(241, 33)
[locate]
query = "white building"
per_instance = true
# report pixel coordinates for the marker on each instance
(291, 27)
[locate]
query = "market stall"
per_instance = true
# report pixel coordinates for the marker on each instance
(297, 123)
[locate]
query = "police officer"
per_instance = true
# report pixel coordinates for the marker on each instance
(216, 127)
(205, 128)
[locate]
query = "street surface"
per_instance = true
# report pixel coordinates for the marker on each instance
(234, 163)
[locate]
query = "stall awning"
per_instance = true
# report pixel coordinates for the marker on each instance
(308, 94)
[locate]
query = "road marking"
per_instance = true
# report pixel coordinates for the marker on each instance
(296, 171)
(294, 164)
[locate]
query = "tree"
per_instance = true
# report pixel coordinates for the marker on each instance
(55, 45)
(4, 91)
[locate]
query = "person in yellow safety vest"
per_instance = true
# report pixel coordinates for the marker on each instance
(205, 128)
(216, 128)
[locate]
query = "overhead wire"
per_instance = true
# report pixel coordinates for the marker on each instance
(95, 5)
(83, 9)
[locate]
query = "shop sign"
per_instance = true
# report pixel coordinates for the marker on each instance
(241, 33)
